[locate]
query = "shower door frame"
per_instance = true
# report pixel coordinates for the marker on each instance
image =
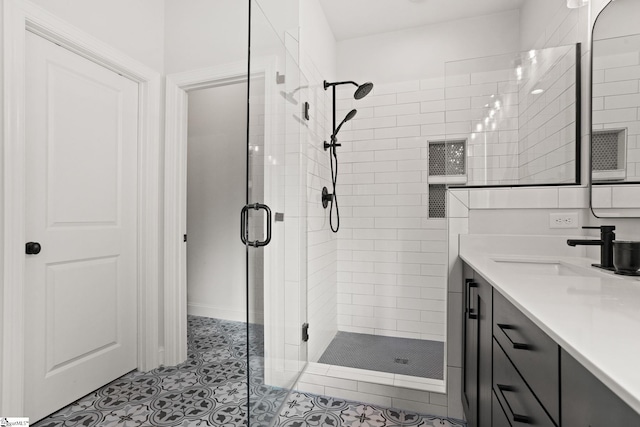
(175, 175)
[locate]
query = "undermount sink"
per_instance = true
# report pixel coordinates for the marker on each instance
(547, 268)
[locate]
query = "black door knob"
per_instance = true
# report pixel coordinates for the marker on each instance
(33, 248)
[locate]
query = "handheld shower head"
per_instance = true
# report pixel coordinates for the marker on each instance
(350, 115)
(363, 90)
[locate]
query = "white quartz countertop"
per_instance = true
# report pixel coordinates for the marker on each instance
(595, 319)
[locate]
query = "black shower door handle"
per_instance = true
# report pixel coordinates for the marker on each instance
(244, 225)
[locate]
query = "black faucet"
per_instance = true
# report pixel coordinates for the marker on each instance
(607, 236)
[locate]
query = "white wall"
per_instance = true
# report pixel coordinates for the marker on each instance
(420, 53)
(133, 27)
(535, 16)
(2, 203)
(283, 15)
(204, 33)
(316, 39)
(614, 22)
(216, 170)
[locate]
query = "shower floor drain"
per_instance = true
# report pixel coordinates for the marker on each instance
(402, 361)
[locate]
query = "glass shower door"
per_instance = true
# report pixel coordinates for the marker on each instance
(273, 224)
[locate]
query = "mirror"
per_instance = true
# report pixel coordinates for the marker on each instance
(615, 107)
(522, 125)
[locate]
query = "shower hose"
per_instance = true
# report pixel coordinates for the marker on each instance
(333, 158)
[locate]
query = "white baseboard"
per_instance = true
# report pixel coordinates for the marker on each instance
(161, 356)
(206, 310)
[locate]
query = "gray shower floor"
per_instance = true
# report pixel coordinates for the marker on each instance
(417, 358)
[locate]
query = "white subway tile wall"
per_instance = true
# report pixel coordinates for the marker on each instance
(515, 136)
(547, 121)
(322, 249)
(616, 95)
(391, 256)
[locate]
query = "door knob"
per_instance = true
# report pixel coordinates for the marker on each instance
(33, 248)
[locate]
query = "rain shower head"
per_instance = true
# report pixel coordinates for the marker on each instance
(362, 90)
(289, 97)
(350, 115)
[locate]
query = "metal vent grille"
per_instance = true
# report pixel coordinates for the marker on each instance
(437, 201)
(604, 150)
(447, 158)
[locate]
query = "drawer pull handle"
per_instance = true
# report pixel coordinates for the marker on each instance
(516, 417)
(517, 345)
(470, 312)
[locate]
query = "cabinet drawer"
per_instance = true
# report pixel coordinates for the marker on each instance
(499, 418)
(533, 353)
(520, 404)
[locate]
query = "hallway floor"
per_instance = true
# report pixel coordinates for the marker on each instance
(209, 389)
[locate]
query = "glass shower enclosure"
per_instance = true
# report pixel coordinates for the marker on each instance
(273, 226)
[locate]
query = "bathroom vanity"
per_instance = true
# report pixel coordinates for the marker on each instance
(546, 340)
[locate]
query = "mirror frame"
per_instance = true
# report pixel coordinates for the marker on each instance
(590, 159)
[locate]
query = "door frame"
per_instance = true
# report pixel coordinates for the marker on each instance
(175, 179)
(19, 16)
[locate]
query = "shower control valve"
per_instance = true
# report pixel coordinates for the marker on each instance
(332, 145)
(326, 197)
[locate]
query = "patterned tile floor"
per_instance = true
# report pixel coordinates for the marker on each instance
(209, 389)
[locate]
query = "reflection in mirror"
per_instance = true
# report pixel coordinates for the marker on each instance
(615, 142)
(523, 122)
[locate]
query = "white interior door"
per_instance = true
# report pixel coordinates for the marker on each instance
(81, 289)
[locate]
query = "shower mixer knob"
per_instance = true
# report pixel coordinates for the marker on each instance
(326, 197)
(327, 145)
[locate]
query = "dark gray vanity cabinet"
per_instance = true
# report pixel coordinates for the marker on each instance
(515, 374)
(586, 401)
(477, 359)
